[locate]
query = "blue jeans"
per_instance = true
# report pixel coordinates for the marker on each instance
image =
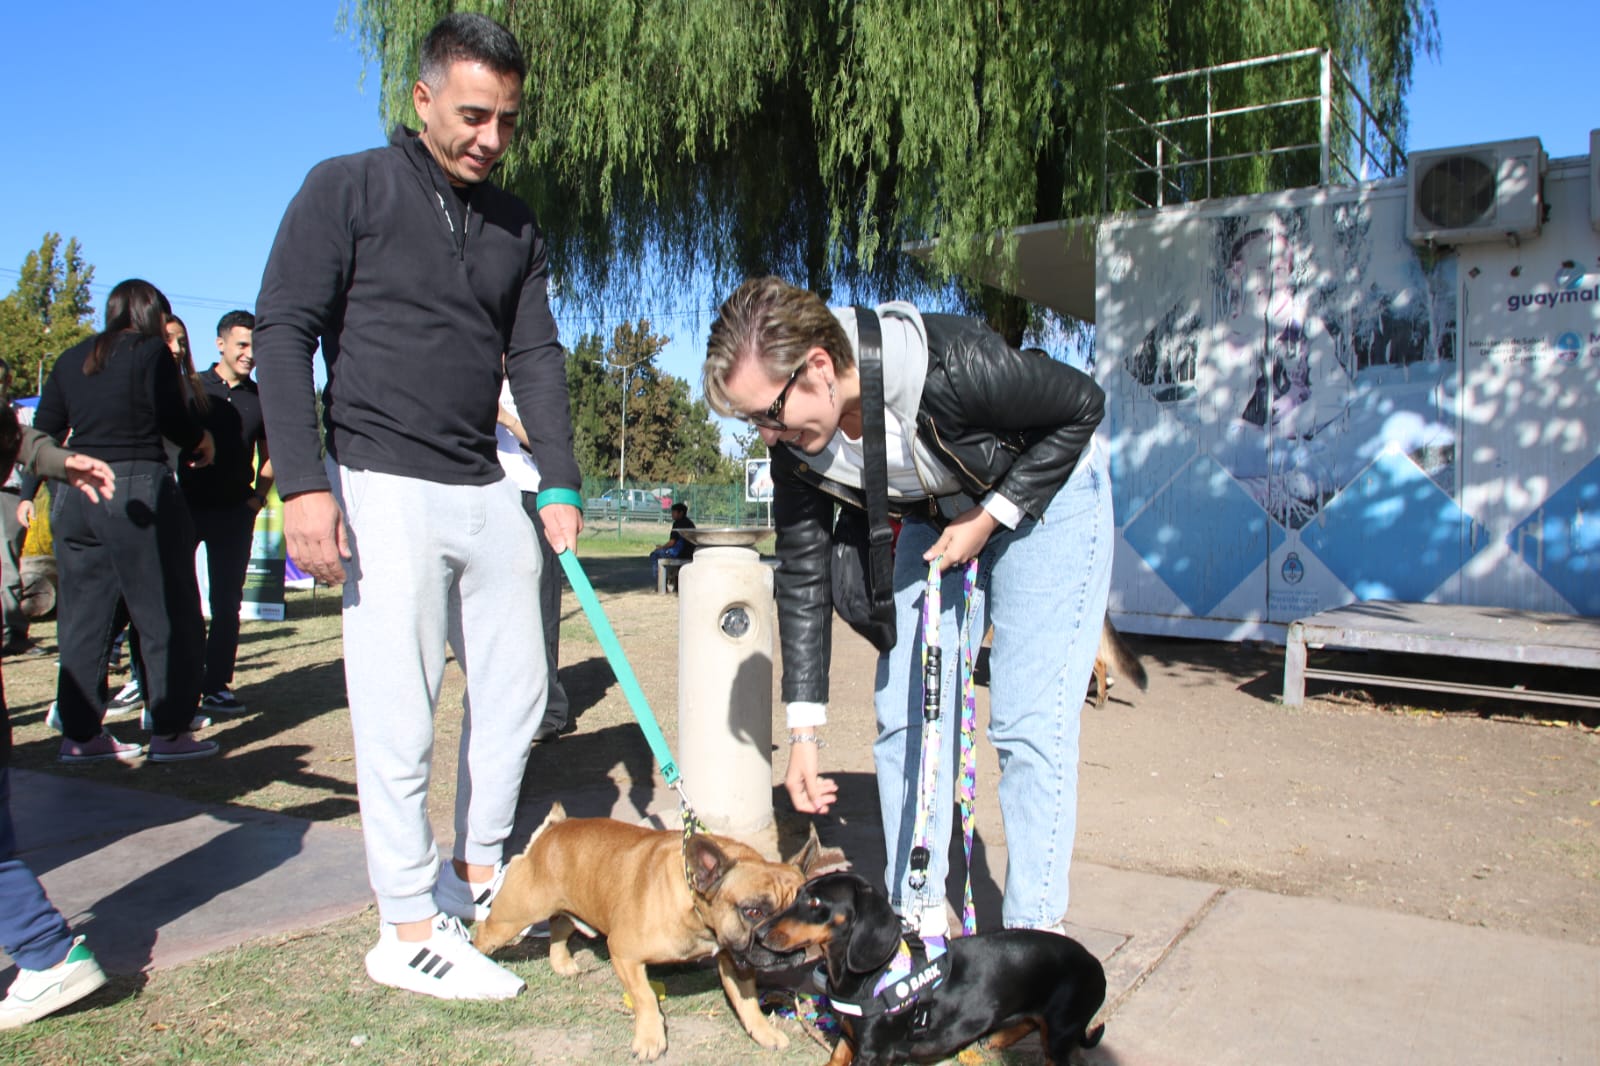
(663, 553)
(32, 931)
(1043, 586)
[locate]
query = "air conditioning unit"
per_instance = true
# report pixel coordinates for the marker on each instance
(1594, 179)
(1482, 192)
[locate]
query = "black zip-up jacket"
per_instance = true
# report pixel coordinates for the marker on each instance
(1000, 419)
(122, 412)
(414, 296)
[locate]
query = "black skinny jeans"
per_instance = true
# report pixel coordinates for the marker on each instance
(228, 534)
(138, 547)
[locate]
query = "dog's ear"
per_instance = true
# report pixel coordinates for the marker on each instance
(813, 860)
(874, 932)
(708, 864)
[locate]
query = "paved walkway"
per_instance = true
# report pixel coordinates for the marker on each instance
(1198, 973)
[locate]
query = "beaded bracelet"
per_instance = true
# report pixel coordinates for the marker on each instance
(807, 738)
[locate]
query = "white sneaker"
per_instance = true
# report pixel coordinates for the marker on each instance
(128, 699)
(36, 993)
(465, 900)
(445, 965)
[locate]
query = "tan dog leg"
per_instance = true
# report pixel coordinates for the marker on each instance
(741, 990)
(561, 930)
(649, 1027)
(520, 902)
(1006, 1037)
(843, 1053)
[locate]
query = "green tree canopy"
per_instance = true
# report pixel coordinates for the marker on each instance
(665, 141)
(671, 438)
(49, 310)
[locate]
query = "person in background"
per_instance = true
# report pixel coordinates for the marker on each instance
(675, 547)
(225, 496)
(415, 275)
(178, 344)
(54, 968)
(14, 621)
(118, 394)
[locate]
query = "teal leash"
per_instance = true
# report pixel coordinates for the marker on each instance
(623, 670)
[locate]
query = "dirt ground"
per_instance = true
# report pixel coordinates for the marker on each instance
(1473, 811)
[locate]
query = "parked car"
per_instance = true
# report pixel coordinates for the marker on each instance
(637, 502)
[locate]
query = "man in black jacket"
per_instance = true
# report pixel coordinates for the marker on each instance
(225, 497)
(417, 275)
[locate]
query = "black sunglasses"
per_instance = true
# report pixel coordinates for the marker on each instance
(772, 418)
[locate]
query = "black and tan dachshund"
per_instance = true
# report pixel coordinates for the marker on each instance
(1002, 985)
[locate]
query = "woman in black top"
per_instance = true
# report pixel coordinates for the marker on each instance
(119, 395)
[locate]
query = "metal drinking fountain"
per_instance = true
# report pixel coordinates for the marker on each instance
(725, 627)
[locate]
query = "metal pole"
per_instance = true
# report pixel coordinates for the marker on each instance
(1327, 117)
(622, 443)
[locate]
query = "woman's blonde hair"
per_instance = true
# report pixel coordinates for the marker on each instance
(778, 324)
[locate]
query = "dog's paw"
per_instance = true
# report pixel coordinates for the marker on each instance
(769, 1036)
(649, 1042)
(563, 963)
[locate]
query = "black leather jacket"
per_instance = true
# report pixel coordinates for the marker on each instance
(1000, 419)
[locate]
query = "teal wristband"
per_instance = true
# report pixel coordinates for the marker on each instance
(566, 496)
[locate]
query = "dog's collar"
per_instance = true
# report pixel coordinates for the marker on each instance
(917, 966)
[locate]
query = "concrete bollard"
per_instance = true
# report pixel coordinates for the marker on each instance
(725, 637)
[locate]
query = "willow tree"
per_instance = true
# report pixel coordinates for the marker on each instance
(666, 142)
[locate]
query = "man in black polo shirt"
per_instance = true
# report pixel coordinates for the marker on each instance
(225, 496)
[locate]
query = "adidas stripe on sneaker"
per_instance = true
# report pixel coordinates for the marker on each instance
(463, 899)
(446, 965)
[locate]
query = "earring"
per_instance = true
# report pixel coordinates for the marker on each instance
(830, 392)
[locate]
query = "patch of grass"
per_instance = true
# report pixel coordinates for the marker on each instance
(306, 999)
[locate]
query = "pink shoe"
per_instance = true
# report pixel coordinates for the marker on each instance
(105, 746)
(181, 747)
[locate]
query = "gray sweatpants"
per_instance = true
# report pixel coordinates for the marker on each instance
(433, 563)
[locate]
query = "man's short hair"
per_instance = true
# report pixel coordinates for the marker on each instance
(681, 508)
(473, 38)
(235, 320)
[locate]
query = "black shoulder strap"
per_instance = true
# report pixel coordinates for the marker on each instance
(874, 448)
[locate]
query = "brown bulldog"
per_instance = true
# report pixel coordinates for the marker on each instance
(629, 884)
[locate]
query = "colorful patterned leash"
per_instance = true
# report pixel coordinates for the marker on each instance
(967, 781)
(932, 713)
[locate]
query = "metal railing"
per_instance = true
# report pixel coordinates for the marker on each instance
(1188, 136)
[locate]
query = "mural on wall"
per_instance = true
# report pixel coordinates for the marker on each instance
(1305, 409)
(1298, 330)
(1284, 374)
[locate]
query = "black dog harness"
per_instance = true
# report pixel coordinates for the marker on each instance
(916, 967)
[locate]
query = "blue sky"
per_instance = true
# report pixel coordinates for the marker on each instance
(168, 135)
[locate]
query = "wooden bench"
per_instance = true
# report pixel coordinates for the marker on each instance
(1497, 634)
(667, 575)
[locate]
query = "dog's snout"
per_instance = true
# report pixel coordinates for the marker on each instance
(771, 933)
